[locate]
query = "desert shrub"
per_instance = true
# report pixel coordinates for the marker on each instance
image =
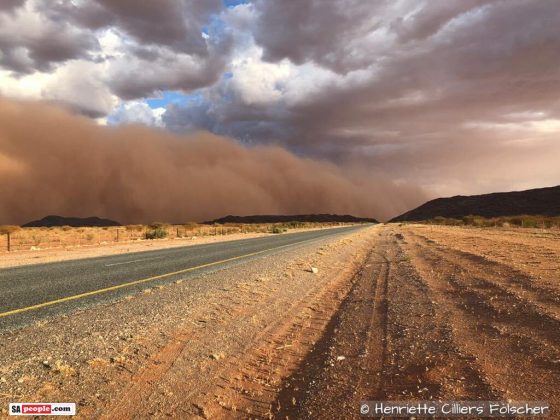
(36, 240)
(157, 233)
(276, 229)
(295, 225)
(530, 222)
(478, 221)
(5, 229)
(89, 237)
(440, 220)
(503, 221)
(516, 221)
(66, 228)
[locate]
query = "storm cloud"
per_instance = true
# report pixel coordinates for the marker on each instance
(456, 97)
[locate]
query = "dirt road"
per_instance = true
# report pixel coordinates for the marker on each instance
(394, 313)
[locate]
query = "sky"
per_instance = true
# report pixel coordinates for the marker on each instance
(421, 98)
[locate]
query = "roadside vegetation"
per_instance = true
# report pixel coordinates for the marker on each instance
(542, 222)
(15, 238)
(157, 231)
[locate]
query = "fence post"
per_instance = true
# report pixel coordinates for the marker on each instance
(9, 247)
(117, 234)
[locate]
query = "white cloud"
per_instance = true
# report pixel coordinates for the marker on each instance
(23, 87)
(258, 82)
(80, 85)
(136, 112)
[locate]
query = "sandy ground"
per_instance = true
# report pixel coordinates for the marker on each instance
(457, 314)
(394, 313)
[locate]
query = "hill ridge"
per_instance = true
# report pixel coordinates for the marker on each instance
(55, 221)
(538, 201)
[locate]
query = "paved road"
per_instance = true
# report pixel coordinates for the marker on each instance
(35, 291)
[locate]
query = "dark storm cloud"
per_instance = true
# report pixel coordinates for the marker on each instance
(175, 23)
(323, 31)
(432, 16)
(41, 44)
(449, 91)
(9, 5)
(57, 46)
(166, 71)
(171, 23)
(171, 53)
(161, 44)
(90, 15)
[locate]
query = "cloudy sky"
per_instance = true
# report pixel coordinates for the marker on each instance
(444, 97)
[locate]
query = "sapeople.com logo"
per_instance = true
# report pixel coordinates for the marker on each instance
(42, 409)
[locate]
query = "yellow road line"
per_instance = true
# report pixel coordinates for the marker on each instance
(135, 282)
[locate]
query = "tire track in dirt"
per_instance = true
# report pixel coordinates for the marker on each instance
(384, 342)
(426, 361)
(250, 385)
(504, 293)
(505, 332)
(508, 287)
(532, 262)
(359, 323)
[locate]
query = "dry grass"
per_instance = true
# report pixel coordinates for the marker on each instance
(523, 221)
(8, 229)
(25, 239)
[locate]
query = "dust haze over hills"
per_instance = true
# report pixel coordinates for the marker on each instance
(52, 220)
(53, 162)
(535, 202)
(271, 218)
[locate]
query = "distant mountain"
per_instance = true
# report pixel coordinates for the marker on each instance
(51, 221)
(317, 218)
(541, 201)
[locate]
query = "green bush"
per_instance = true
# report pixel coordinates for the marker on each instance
(156, 233)
(530, 223)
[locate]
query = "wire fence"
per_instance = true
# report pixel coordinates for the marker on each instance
(30, 239)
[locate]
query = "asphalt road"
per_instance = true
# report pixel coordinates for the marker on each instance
(34, 292)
